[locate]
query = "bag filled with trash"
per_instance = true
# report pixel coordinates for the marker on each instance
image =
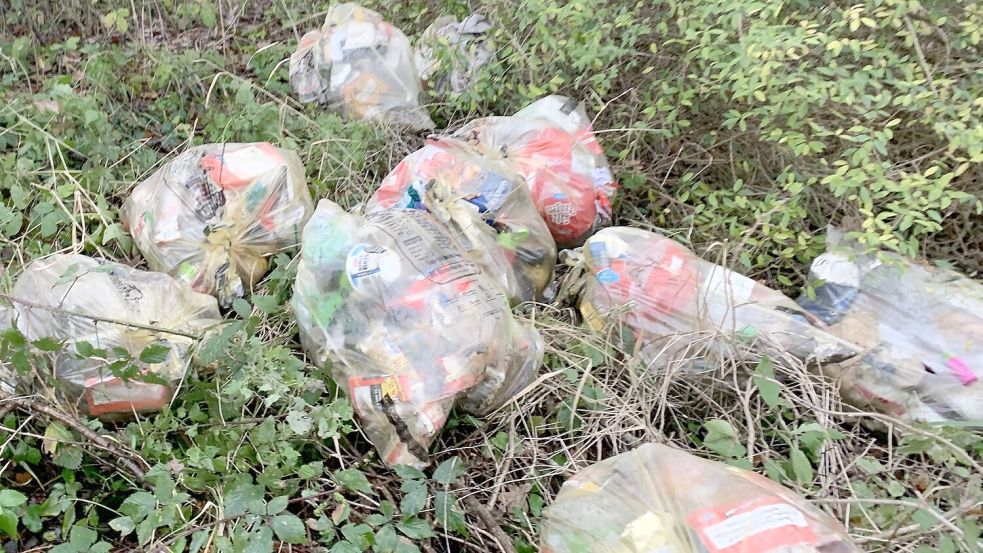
(213, 215)
(679, 308)
(485, 205)
(659, 499)
(408, 324)
(105, 312)
(463, 46)
(553, 146)
(923, 323)
(360, 64)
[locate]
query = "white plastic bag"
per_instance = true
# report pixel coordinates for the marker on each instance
(464, 44)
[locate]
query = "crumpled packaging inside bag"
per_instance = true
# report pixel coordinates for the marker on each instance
(463, 46)
(212, 216)
(407, 324)
(656, 499)
(75, 299)
(485, 205)
(679, 308)
(361, 65)
(553, 146)
(923, 323)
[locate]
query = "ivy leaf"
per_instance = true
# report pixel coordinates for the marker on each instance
(449, 471)
(289, 528)
(353, 480)
(154, 354)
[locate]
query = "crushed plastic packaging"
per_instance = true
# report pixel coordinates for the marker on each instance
(485, 204)
(464, 44)
(552, 144)
(362, 65)
(682, 309)
(407, 324)
(922, 324)
(77, 299)
(212, 216)
(657, 499)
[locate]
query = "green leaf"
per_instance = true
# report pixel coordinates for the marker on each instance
(62, 548)
(8, 524)
(82, 537)
(124, 525)
(12, 498)
(242, 308)
(764, 380)
(240, 499)
(259, 541)
(449, 471)
(277, 504)
(345, 547)
(407, 472)
(289, 528)
(415, 496)
(154, 354)
(198, 541)
(138, 505)
(266, 304)
(448, 514)
(353, 479)
(721, 438)
(386, 540)
(415, 528)
(299, 422)
(48, 344)
(801, 466)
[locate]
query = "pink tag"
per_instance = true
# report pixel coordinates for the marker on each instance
(962, 370)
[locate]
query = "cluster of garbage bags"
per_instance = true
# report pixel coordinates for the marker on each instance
(408, 302)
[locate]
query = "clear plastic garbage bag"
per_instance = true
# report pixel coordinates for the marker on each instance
(8, 376)
(656, 499)
(924, 324)
(466, 47)
(553, 146)
(362, 65)
(75, 298)
(407, 325)
(678, 307)
(212, 216)
(485, 204)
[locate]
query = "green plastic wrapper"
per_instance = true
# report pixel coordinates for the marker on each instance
(407, 324)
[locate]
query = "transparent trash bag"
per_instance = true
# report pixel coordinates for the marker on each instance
(407, 324)
(75, 298)
(212, 216)
(553, 146)
(677, 307)
(362, 65)
(8, 376)
(464, 47)
(485, 205)
(923, 324)
(656, 499)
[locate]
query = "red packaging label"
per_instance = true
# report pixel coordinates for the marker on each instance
(757, 526)
(113, 395)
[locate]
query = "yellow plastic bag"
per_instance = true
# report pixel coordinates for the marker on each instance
(78, 299)
(212, 216)
(656, 499)
(361, 65)
(409, 325)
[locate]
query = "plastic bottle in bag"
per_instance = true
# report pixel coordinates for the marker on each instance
(656, 499)
(465, 42)
(485, 205)
(925, 325)
(409, 325)
(360, 64)
(553, 146)
(680, 307)
(213, 215)
(75, 299)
